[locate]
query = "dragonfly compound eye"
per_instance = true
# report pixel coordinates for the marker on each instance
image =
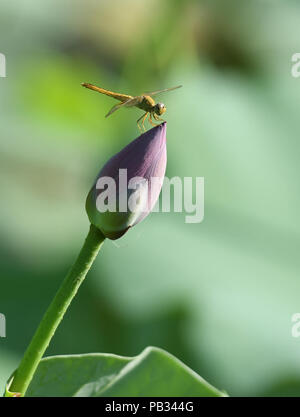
(160, 108)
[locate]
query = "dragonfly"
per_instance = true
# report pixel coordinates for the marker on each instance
(144, 102)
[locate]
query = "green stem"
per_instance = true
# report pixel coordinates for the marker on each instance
(55, 312)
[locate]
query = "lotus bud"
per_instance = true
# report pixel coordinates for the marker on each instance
(128, 186)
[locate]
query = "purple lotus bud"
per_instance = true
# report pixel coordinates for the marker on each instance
(128, 186)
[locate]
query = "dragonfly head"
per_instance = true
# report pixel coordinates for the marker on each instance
(159, 108)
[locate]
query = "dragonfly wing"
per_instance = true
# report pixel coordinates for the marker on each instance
(129, 103)
(153, 93)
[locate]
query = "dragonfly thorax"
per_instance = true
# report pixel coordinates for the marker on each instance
(159, 108)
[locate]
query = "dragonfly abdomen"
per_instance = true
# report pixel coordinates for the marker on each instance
(117, 96)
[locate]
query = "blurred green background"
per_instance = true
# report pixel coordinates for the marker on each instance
(220, 294)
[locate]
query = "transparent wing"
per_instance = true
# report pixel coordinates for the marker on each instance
(129, 103)
(163, 91)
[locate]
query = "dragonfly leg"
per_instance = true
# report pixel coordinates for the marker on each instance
(157, 118)
(150, 119)
(143, 121)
